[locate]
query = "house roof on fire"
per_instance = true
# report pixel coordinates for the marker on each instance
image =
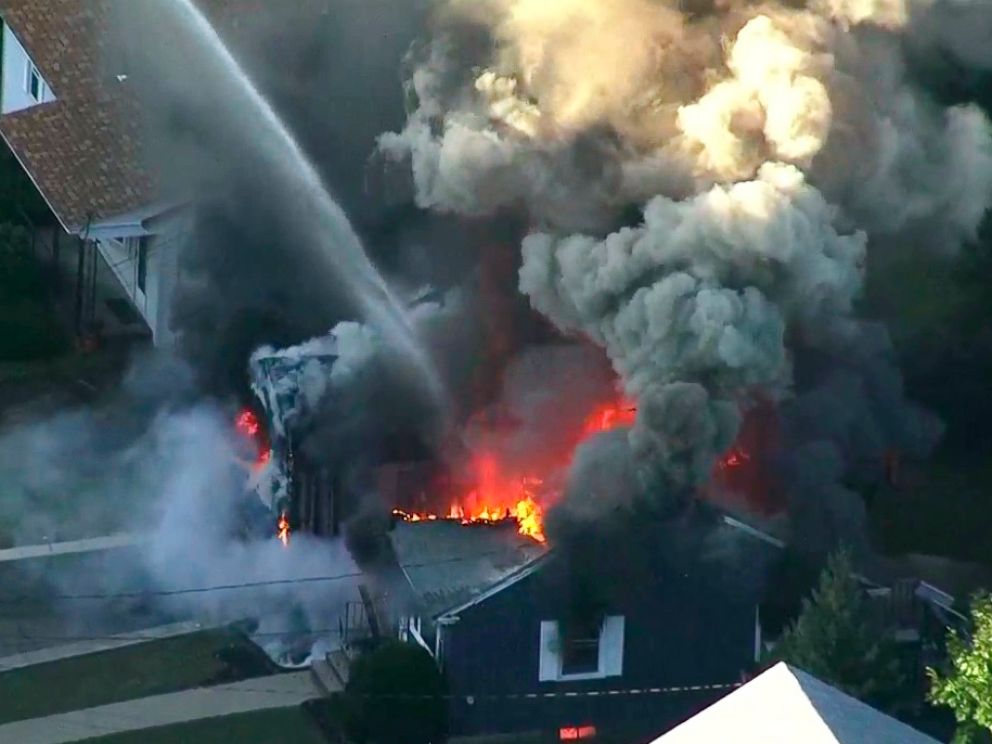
(785, 705)
(451, 567)
(448, 564)
(84, 150)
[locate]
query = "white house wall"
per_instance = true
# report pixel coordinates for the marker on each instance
(121, 254)
(163, 270)
(15, 94)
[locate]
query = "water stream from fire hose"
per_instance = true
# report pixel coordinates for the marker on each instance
(348, 261)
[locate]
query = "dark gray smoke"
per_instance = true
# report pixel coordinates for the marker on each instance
(768, 148)
(248, 274)
(704, 216)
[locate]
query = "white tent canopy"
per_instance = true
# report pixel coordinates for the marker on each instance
(787, 706)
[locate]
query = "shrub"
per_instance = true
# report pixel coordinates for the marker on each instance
(374, 710)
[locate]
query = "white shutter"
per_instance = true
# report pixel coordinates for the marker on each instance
(611, 647)
(549, 664)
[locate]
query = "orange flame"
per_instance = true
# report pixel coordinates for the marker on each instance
(496, 499)
(610, 416)
(282, 529)
(733, 459)
(248, 425)
(499, 497)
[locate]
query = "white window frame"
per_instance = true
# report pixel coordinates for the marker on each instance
(611, 642)
(31, 71)
(133, 246)
(411, 630)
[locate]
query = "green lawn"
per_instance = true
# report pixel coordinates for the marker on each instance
(278, 726)
(152, 668)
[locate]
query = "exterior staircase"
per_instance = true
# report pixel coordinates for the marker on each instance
(331, 673)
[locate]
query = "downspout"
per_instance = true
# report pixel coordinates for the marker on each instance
(95, 260)
(80, 271)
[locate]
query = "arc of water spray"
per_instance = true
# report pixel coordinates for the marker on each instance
(376, 302)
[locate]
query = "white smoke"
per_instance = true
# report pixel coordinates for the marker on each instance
(162, 465)
(197, 540)
(768, 146)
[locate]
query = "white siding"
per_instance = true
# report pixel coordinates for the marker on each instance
(15, 93)
(121, 254)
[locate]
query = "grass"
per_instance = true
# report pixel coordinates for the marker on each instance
(277, 726)
(152, 668)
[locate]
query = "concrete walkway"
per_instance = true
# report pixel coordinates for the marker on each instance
(92, 646)
(279, 691)
(90, 545)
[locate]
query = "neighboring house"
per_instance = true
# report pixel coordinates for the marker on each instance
(70, 120)
(532, 643)
(785, 705)
(70, 114)
(912, 611)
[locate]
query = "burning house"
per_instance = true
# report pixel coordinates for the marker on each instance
(662, 231)
(680, 224)
(617, 632)
(620, 643)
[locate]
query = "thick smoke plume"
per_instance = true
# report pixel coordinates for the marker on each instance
(767, 148)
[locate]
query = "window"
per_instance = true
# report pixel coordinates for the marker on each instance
(142, 263)
(32, 81)
(580, 647)
(575, 733)
(581, 651)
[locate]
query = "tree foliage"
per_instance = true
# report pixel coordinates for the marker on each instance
(375, 711)
(836, 639)
(966, 687)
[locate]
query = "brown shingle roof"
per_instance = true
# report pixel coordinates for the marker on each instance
(82, 150)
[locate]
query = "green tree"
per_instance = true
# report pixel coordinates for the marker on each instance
(836, 639)
(375, 711)
(966, 687)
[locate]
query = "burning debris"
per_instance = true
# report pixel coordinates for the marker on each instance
(497, 497)
(494, 501)
(248, 425)
(282, 529)
(733, 459)
(508, 480)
